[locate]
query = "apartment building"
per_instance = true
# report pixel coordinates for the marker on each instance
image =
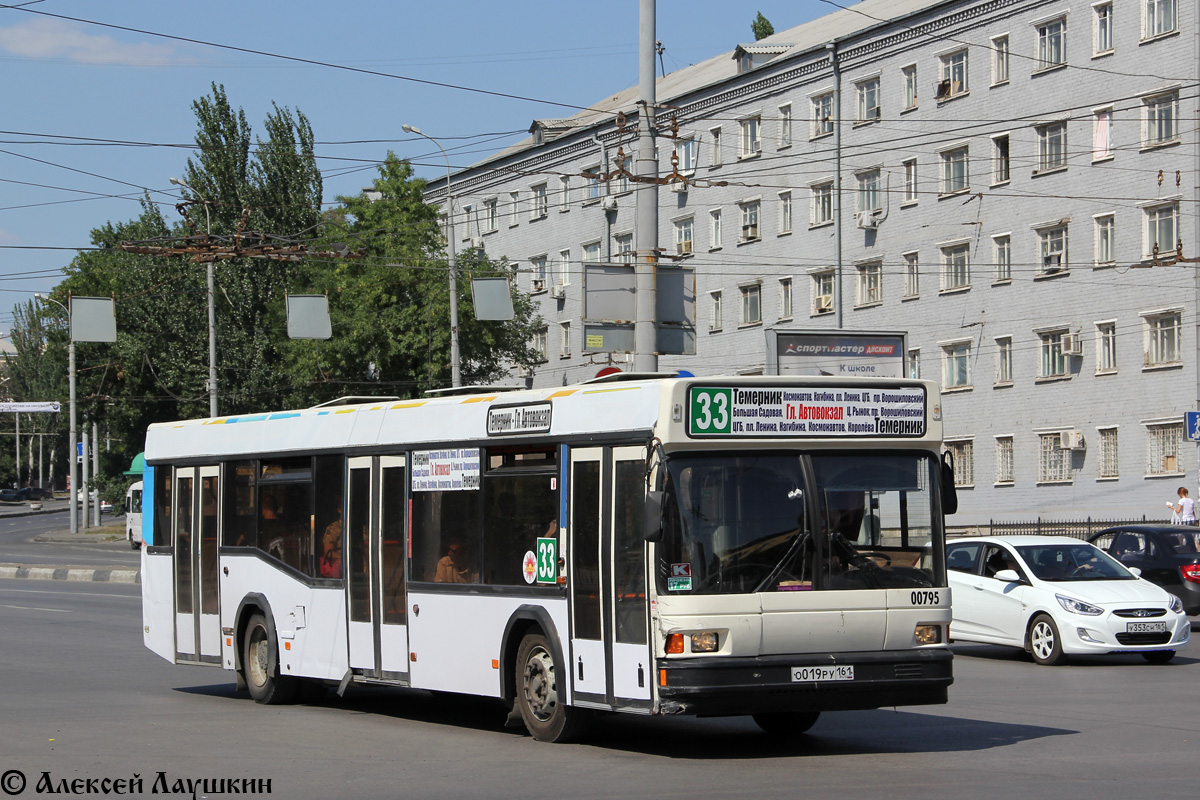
(1005, 181)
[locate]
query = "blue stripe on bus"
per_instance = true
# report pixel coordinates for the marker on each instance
(286, 415)
(255, 418)
(148, 505)
(562, 485)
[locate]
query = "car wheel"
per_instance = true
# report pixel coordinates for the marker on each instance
(1044, 642)
(1159, 656)
(537, 694)
(261, 668)
(786, 723)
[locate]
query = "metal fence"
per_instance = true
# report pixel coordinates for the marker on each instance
(1080, 529)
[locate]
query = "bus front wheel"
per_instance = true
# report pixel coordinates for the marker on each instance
(786, 723)
(546, 717)
(260, 667)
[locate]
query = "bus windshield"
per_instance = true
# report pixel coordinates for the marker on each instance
(738, 523)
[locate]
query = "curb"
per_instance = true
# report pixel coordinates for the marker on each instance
(82, 574)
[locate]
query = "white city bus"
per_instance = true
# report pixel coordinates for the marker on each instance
(653, 545)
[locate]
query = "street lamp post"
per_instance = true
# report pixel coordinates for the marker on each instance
(74, 471)
(212, 312)
(455, 362)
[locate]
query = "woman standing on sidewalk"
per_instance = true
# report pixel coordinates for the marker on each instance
(1185, 510)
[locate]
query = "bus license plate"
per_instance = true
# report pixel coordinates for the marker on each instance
(841, 672)
(1146, 627)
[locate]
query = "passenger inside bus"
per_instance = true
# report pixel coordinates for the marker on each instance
(331, 547)
(457, 565)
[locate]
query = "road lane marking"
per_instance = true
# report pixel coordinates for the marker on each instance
(77, 594)
(36, 608)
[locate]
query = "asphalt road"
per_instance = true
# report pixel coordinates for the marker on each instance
(83, 699)
(18, 543)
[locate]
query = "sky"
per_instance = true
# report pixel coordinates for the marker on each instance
(96, 97)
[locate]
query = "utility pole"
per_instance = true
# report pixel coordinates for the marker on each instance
(645, 326)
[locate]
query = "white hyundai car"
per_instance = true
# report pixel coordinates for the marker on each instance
(1055, 596)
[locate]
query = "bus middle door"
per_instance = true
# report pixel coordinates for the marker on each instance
(197, 596)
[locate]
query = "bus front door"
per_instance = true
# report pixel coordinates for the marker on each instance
(610, 655)
(197, 598)
(376, 546)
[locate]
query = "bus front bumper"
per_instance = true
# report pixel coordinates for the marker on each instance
(713, 686)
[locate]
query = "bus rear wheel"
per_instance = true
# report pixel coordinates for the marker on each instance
(786, 723)
(261, 668)
(546, 717)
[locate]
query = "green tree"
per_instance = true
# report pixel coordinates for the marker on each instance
(761, 27)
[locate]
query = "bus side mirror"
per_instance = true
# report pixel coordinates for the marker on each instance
(652, 530)
(949, 493)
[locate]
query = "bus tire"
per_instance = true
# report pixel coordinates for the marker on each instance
(261, 666)
(786, 723)
(537, 694)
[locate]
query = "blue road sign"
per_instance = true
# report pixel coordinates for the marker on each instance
(1193, 426)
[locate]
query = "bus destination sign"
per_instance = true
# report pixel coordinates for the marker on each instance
(810, 411)
(509, 420)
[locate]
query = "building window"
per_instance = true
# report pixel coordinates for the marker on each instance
(963, 452)
(621, 164)
(1054, 361)
(785, 126)
(785, 298)
(714, 229)
(539, 344)
(821, 208)
(1162, 339)
(912, 275)
(956, 267)
(1052, 44)
(870, 283)
(910, 86)
(785, 213)
(1107, 461)
(564, 193)
(1105, 239)
(514, 209)
(1102, 128)
(1162, 448)
(539, 273)
(1054, 465)
(1161, 230)
(715, 312)
(624, 247)
(749, 143)
(1004, 459)
(1004, 366)
(822, 293)
(1052, 146)
(564, 340)
(562, 268)
(751, 304)
(954, 171)
(540, 207)
(822, 115)
(683, 235)
(953, 75)
(591, 252)
(1102, 42)
(956, 365)
(867, 93)
(491, 216)
(594, 188)
(914, 364)
(1161, 120)
(1106, 347)
(1002, 257)
(750, 231)
(868, 191)
(715, 133)
(1158, 17)
(1052, 243)
(1001, 165)
(910, 182)
(688, 152)
(999, 60)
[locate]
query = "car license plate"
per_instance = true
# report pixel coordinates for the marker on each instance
(840, 672)
(1146, 627)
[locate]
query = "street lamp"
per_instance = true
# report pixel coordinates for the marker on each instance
(74, 487)
(455, 366)
(212, 312)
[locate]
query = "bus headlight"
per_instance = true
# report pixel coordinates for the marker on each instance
(705, 642)
(928, 634)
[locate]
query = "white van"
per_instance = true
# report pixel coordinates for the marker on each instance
(133, 515)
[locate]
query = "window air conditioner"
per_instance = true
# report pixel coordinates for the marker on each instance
(683, 248)
(609, 203)
(866, 220)
(558, 291)
(477, 243)
(679, 187)
(539, 285)
(824, 303)
(749, 232)
(1070, 440)
(1072, 344)
(1052, 263)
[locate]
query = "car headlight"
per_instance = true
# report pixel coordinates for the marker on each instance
(1176, 605)
(1078, 606)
